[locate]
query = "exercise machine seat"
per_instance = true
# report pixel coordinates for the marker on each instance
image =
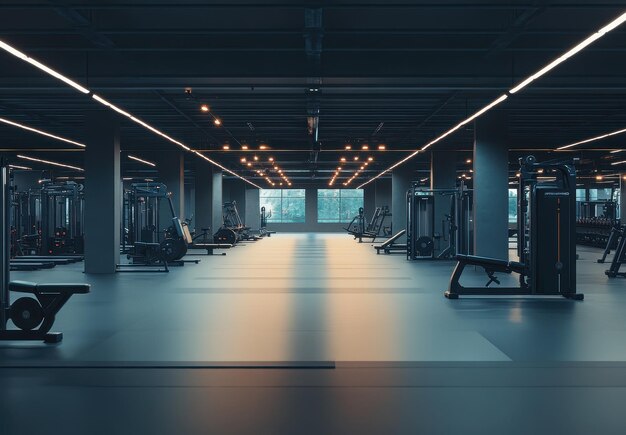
(60, 288)
(476, 260)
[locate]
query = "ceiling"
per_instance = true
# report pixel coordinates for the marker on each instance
(377, 73)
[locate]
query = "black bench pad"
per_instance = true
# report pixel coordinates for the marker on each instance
(493, 262)
(211, 246)
(32, 287)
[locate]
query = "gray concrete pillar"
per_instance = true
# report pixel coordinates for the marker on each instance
(217, 202)
(102, 192)
(383, 193)
(401, 178)
(203, 191)
(253, 208)
(442, 176)
(369, 198)
(491, 165)
(171, 167)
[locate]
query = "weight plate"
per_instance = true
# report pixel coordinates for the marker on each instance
(225, 236)
(26, 313)
(425, 246)
(172, 249)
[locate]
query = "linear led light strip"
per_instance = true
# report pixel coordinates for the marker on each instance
(48, 162)
(224, 168)
(495, 102)
(145, 162)
(8, 48)
(618, 163)
(41, 132)
(571, 52)
(592, 139)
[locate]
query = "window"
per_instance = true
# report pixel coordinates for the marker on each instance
(285, 205)
(338, 205)
(512, 205)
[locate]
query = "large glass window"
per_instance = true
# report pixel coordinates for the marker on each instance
(512, 205)
(338, 205)
(283, 205)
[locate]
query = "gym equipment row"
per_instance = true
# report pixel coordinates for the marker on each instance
(452, 235)
(594, 221)
(33, 316)
(546, 214)
(233, 230)
(616, 241)
(374, 229)
(147, 247)
(48, 221)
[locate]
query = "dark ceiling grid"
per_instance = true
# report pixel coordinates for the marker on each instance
(382, 62)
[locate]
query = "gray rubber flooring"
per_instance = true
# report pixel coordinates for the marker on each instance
(315, 333)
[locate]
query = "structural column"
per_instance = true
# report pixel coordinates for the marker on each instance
(383, 193)
(171, 166)
(491, 166)
(253, 207)
(216, 200)
(401, 178)
(442, 176)
(203, 192)
(369, 198)
(102, 192)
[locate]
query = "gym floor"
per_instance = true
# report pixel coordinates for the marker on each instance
(313, 333)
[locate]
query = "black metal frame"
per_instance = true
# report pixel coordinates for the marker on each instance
(547, 261)
(48, 298)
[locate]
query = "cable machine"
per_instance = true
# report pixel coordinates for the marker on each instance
(425, 236)
(546, 219)
(62, 215)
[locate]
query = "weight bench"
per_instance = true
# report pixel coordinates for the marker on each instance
(388, 245)
(490, 266)
(210, 247)
(29, 313)
(152, 261)
(30, 265)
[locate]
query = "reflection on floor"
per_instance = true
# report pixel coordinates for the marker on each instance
(320, 334)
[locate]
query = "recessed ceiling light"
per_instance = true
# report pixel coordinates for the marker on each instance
(204, 108)
(217, 122)
(382, 147)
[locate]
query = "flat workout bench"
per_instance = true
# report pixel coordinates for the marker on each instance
(388, 245)
(28, 313)
(491, 266)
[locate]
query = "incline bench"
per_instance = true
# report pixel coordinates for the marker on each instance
(388, 245)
